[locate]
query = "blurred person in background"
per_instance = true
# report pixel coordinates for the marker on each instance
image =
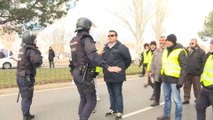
(51, 56)
(195, 62)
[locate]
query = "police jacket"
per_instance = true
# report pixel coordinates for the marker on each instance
(118, 55)
(29, 58)
(182, 63)
(195, 61)
(84, 51)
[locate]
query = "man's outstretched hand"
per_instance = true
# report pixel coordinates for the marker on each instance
(114, 69)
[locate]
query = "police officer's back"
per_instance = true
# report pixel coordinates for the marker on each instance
(29, 59)
(84, 60)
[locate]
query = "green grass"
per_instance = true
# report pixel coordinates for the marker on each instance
(47, 75)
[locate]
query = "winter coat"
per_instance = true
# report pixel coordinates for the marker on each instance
(51, 55)
(118, 55)
(183, 65)
(195, 61)
(156, 64)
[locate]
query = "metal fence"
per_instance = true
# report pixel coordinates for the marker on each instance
(60, 73)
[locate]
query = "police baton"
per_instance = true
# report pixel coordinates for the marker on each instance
(18, 96)
(85, 72)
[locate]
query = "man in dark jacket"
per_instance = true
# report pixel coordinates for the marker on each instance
(115, 53)
(173, 74)
(195, 62)
(29, 59)
(51, 55)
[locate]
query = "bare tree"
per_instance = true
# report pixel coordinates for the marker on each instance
(135, 18)
(161, 13)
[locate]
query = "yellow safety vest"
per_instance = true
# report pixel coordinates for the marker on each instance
(98, 69)
(170, 64)
(145, 57)
(150, 55)
(207, 75)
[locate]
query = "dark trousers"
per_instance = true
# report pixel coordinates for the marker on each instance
(144, 69)
(87, 103)
(151, 83)
(189, 81)
(24, 87)
(157, 90)
(204, 100)
(52, 64)
(116, 96)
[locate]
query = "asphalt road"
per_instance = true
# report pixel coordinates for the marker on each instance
(62, 104)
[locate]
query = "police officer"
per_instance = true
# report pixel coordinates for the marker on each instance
(84, 60)
(29, 59)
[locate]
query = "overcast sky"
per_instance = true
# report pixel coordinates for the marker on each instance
(186, 18)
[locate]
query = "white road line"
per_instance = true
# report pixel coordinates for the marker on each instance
(140, 111)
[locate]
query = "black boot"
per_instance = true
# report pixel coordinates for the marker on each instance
(28, 117)
(155, 104)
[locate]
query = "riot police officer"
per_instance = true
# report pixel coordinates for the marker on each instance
(84, 60)
(29, 59)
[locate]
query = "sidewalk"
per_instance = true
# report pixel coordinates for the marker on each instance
(52, 85)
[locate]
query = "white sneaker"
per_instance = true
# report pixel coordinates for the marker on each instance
(118, 116)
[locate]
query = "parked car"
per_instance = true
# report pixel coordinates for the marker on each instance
(8, 62)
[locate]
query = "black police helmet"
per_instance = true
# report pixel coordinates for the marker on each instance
(28, 37)
(83, 24)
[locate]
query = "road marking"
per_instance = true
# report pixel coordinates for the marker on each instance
(140, 111)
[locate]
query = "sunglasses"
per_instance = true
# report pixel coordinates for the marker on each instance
(111, 35)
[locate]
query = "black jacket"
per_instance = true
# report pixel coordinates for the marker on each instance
(51, 55)
(195, 61)
(183, 65)
(118, 55)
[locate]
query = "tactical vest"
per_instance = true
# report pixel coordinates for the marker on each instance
(23, 65)
(79, 56)
(170, 64)
(207, 76)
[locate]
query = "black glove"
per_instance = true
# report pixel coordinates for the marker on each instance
(178, 86)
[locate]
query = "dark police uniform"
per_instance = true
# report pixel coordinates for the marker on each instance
(29, 59)
(84, 60)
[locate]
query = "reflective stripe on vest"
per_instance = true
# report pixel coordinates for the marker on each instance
(207, 75)
(170, 64)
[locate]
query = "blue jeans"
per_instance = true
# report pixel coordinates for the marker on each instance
(116, 97)
(170, 89)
